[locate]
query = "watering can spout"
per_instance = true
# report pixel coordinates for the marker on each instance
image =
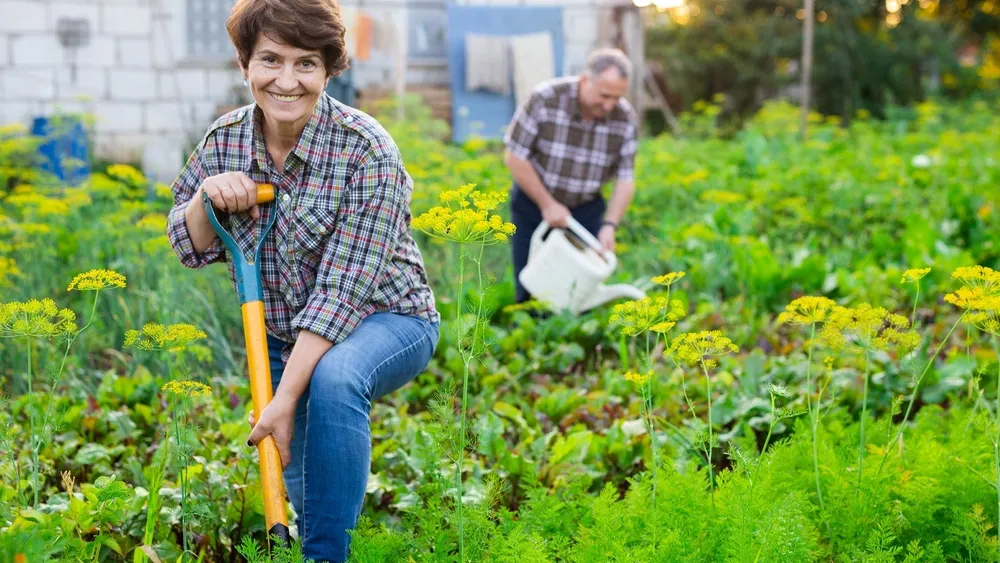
(608, 293)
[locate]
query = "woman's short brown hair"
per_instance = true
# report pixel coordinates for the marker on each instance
(313, 25)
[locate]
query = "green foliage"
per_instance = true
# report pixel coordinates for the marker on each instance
(866, 58)
(556, 457)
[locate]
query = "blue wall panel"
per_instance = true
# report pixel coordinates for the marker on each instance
(484, 113)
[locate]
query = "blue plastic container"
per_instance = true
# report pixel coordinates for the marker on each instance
(63, 151)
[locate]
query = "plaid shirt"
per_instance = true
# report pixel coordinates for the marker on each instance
(573, 156)
(341, 247)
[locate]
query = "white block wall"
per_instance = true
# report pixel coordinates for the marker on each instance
(149, 99)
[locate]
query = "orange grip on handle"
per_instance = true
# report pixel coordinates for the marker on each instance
(265, 193)
(260, 389)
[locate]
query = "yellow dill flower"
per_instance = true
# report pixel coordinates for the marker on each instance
(8, 270)
(463, 221)
(869, 327)
(973, 299)
(986, 321)
(127, 173)
(977, 276)
(42, 205)
(638, 378)
(722, 197)
(914, 274)
(36, 319)
(668, 279)
(646, 314)
(807, 310)
(701, 347)
(155, 222)
(186, 389)
(96, 279)
(154, 336)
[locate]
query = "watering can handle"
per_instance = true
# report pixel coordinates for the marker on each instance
(578, 230)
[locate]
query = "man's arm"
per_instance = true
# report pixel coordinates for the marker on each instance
(624, 189)
(520, 141)
(529, 181)
(621, 198)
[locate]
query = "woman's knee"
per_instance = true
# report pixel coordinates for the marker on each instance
(339, 379)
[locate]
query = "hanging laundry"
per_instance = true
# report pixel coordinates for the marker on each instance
(533, 63)
(362, 36)
(487, 63)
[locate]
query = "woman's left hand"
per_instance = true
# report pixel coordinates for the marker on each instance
(278, 420)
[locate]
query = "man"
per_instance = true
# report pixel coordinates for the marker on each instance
(572, 136)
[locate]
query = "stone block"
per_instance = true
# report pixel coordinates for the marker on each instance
(37, 51)
(162, 117)
(18, 112)
(132, 85)
(182, 84)
(126, 20)
(24, 16)
(88, 83)
(118, 117)
(135, 53)
(29, 84)
(100, 52)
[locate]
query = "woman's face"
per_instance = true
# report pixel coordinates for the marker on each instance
(285, 81)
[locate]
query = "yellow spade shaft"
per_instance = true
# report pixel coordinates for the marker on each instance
(273, 483)
(275, 512)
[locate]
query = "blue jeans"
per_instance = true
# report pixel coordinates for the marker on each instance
(331, 445)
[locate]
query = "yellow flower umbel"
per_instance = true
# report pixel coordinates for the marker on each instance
(914, 275)
(186, 389)
(95, 280)
(154, 336)
(807, 310)
(639, 379)
(36, 319)
(700, 348)
(870, 328)
(465, 217)
(652, 314)
(127, 173)
(668, 280)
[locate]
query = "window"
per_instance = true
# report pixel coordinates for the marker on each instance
(206, 29)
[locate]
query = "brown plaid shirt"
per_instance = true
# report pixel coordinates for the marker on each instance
(341, 247)
(574, 157)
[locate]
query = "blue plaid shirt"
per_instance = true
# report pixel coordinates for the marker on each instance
(341, 247)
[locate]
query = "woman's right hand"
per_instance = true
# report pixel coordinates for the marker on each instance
(232, 192)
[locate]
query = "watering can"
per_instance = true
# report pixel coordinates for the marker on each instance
(566, 270)
(251, 293)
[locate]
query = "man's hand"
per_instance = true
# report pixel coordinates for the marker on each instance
(556, 215)
(606, 236)
(278, 420)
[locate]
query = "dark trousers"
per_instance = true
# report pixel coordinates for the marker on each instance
(526, 216)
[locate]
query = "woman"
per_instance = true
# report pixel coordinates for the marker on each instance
(349, 313)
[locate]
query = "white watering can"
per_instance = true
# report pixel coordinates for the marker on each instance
(566, 270)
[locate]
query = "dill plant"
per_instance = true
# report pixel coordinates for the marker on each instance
(465, 219)
(171, 340)
(43, 320)
(651, 318)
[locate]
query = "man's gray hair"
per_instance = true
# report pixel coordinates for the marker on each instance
(604, 58)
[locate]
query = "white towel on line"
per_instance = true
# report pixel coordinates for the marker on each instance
(534, 63)
(487, 63)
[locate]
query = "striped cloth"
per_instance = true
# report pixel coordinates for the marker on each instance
(341, 247)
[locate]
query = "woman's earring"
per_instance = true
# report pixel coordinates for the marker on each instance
(245, 82)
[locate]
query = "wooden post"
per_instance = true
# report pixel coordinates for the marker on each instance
(807, 55)
(402, 40)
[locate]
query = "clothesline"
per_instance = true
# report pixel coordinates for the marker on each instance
(503, 63)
